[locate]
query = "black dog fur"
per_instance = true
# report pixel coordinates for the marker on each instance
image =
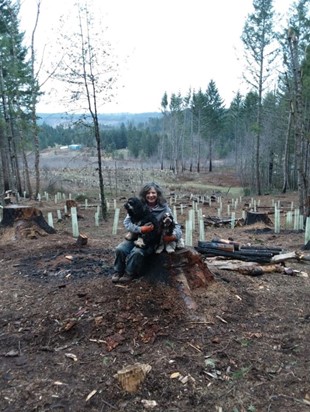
(140, 215)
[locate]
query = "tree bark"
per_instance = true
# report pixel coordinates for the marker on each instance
(16, 213)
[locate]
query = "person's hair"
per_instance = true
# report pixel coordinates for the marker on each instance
(152, 185)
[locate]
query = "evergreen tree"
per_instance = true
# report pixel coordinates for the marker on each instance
(259, 39)
(214, 115)
(15, 88)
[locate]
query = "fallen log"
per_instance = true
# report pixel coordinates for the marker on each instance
(272, 249)
(291, 255)
(217, 245)
(227, 242)
(235, 255)
(245, 268)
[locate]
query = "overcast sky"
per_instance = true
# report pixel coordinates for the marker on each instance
(172, 46)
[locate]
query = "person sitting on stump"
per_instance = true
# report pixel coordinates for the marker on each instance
(128, 257)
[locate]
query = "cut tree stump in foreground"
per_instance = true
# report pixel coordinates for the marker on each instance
(25, 217)
(185, 269)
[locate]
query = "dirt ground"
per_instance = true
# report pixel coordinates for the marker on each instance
(66, 330)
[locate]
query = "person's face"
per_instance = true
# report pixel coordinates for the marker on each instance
(151, 196)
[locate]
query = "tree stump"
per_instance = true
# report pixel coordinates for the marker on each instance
(81, 240)
(257, 217)
(184, 269)
(31, 215)
(72, 203)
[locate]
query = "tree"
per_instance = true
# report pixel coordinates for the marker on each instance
(213, 113)
(15, 87)
(259, 40)
(33, 104)
(295, 43)
(197, 108)
(89, 74)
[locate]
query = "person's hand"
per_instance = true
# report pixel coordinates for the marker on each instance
(148, 227)
(169, 238)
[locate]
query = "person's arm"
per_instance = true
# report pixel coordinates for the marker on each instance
(133, 228)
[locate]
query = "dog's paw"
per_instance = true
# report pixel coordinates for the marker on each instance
(131, 236)
(180, 244)
(139, 242)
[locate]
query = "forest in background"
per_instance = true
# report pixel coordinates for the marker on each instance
(265, 133)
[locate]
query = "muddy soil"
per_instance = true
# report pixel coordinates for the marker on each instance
(66, 329)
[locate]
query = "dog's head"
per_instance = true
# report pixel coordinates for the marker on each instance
(134, 207)
(167, 220)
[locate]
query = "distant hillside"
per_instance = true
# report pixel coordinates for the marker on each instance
(108, 119)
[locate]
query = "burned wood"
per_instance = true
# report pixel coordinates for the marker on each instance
(273, 249)
(249, 254)
(217, 245)
(231, 246)
(235, 255)
(227, 242)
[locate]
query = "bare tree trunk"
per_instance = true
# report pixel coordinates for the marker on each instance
(210, 154)
(285, 161)
(4, 161)
(33, 110)
(299, 129)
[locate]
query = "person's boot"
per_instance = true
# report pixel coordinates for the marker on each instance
(126, 278)
(160, 248)
(170, 247)
(116, 277)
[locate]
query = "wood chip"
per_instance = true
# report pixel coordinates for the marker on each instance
(221, 319)
(71, 356)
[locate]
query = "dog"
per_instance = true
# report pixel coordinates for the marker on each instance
(141, 216)
(167, 225)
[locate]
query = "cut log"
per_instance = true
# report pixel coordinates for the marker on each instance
(261, 257)
(217, 245)
(257, 217)
(17, 213)
(185, 270)
(82, 240)
(282, 257)
(227, 242)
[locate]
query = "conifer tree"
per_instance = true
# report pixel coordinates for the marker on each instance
(259, 39)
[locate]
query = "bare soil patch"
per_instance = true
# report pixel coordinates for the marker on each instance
(65, 329)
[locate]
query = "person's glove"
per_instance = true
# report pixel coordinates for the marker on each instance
(168, 238)
(147, 228)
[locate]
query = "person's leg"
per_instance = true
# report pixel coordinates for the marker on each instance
(134, 263)
(121, 253)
